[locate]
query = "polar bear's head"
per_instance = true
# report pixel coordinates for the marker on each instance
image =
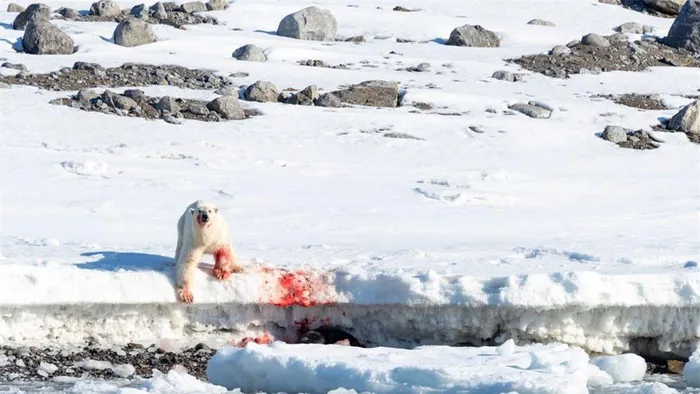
(204, 214)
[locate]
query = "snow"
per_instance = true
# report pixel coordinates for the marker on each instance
(48, 367)
(622, 368)
(534, 230)
(431, 369)
(691, 370)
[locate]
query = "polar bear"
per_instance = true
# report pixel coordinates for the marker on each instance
(202, 230)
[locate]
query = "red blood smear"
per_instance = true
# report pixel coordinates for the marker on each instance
(295, 289)
(222, 253)
(265, 339)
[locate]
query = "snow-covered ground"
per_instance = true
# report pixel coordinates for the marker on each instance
(533, 229)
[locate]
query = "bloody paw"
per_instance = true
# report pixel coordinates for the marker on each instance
(185, 295)
(221, 273)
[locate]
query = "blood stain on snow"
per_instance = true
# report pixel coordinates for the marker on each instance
(294, 288)
(264, 339)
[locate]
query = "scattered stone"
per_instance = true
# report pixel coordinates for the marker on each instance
(635, 100)
(507, 76)
(675, 366)
(401, 9)
(328, 100)
(14, 66)
(532, 109)
(87, 95)
(541, 22)
(687, 120)
(169, 105)
(371, 93)
(87, 75)
(473, 36)
(217, 5)
(595, 39)
(228, 107)
(105, 8)
(630, 28)
(261, 91)
(43, 38)
(615, 134)
(139, 11)
(404, 41)
(34, 12)
(193, 6)
(618, 56)
(311, 23)
(685, 30)
(304, 97)
(133, 32)
(158, 11)
(355, 39)
(560, 50)
(641, 140)
(68, 13)
(14, 7)
(250, 53)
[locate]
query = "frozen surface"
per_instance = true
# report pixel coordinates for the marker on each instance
(534, 229)
(622, 368)
(433, 369)
(691, 371)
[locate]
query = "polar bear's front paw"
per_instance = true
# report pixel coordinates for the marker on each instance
(221, 273)
(184, 294)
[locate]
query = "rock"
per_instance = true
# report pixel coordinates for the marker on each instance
(168, 104)
(311, 23)
(34, 12)
(420, 68)
(169, 118)
(105, 8)
(14, 7)
(228, 107)
(630, 28)
(133, 32)
(86, 95)
(92, 67)
(506, 76)
(540, 22)
(139, 11)
(685, 30)
(158, 11)
(68, 13)
(250, 53)
(261, 91)
(615, 134)
(43, 38)
(646, 29)
(671, 7)
(3, 85)
(14, 66)
(560, 50)
(675, 366)
(533, 111)
(305, 97)
(193, 6)
(328, 100)
(217, 5)
(473, 36)
(371, 93)
(136, 94)
(123, 102)
(687, 120)
(595, 39)
(197, 108)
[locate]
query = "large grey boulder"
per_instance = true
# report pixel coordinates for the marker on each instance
(228, 107)
(133, 32)
(261, 91)
(158, 11)
(328, 100)
(595, 40)
(615, 134)
(34, 12)
(473, 36)
(311, 23)
(532, 109)
(250, 53)
(217, 5)
(105, 8)
(371, 93)
(193, 6)
(43, 38)
(685, 30)
(671, 7)
(687, 120)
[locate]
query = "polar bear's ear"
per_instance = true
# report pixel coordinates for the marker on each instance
(192, 211)
(216, 210)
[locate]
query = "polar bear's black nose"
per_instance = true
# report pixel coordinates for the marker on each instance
(205, 217)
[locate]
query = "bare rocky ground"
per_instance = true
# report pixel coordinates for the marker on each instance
(636, 100)
(166, 13)
(620, 55)
(88, 75)
(640, 6)
(91, 361)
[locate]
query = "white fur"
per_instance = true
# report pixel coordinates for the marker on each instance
(195, 240)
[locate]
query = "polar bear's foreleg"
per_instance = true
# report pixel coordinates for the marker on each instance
(185, 274)
(225, 262)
